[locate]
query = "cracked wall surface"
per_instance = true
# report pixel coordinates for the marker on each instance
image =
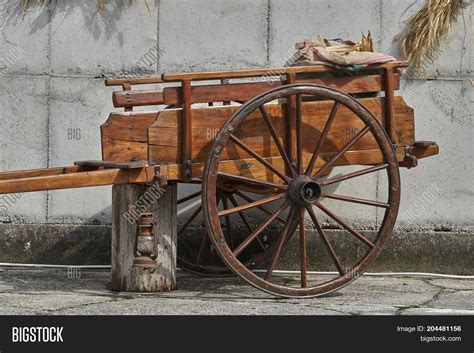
(53, 98)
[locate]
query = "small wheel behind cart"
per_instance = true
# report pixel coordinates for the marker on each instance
(196, 254)
(299, 192)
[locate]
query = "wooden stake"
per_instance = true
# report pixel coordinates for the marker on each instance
(125, 199)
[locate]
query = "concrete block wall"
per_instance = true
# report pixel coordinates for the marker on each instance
(53, 99)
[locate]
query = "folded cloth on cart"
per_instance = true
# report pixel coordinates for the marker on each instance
(342, 54)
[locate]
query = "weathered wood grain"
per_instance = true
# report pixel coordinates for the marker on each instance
(246, 91)
(125, 277)
(165, 133)
(31, 173)
(137, 98)
(275, 71)
(112, 164)
(123, 151)
(28, 183)
(251, 168)
(128, 126)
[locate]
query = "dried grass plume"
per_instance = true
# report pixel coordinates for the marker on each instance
(427, 30)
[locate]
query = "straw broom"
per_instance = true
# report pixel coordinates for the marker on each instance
(427, 29)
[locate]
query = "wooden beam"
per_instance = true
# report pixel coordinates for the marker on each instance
(28, 183)
(137, 98)
(424, 151)
(391, 122)
(165, 135)
(269, 72)
(247, 91)
(113, 164)
(251, 168)
(186, 137)
(272, 71)
(31, 173)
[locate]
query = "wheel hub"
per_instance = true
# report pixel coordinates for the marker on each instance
(303, 191)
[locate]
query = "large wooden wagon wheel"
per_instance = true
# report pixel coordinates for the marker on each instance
(300, 191)
(196, 253)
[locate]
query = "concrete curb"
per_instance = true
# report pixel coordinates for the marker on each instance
(438, 252)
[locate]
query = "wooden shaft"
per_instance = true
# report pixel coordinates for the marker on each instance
(290, 121)
(31, 173)
(268, 72)
(126, 86)
(390, 123)
(186, 158)
(71, 180)
(247, 91)
(260, 72)
(128, 98)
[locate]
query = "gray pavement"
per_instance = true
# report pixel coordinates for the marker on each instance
(51, 292)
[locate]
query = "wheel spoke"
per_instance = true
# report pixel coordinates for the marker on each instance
(356, 200)
(259, 229)
(244, 219)
(190, 220)
(343, 150)
(303, 261)
(353, 175)
(260, 207)
(325, 241)
(252, 181)
(259, 158)
(251, 204)
(319, 145)
(202, 248)
(299, 136)
(241, 214)
(345, 225)
(276, 139)
(227, 224)
(281, 241)
(189, 197)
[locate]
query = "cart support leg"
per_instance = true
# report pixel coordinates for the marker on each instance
(127, 201)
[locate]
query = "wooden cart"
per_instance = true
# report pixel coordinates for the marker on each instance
(269, 147)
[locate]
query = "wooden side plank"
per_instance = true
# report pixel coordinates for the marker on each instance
(353, 84)
(164, 134)
(128, 126)
(123, 151)
(125, 136)
(251, 168)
